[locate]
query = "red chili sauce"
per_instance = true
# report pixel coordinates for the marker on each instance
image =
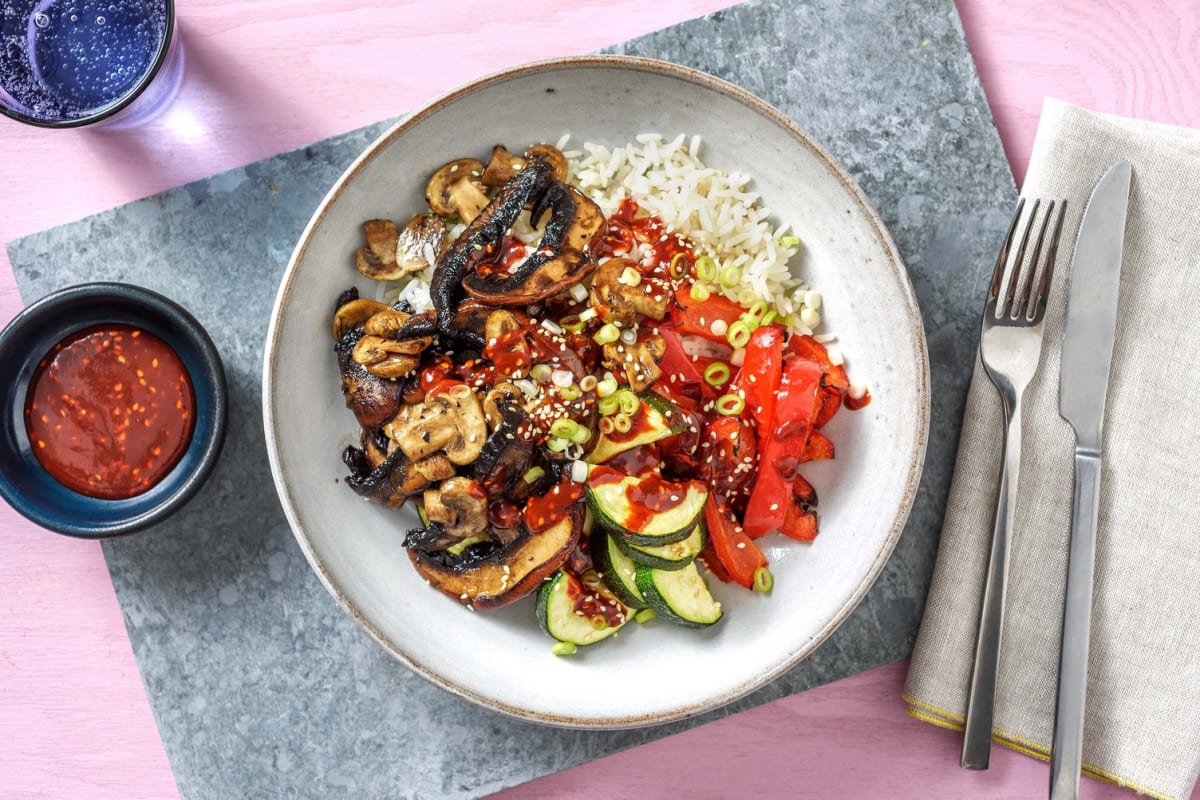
(543, 513)
(110, 411)
(588, 600)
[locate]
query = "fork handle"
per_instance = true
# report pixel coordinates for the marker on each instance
(1066, 755)
(981, 701)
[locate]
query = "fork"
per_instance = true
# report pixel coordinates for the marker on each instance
(1010, 345)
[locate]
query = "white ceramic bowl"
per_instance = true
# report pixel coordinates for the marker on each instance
(501, 659)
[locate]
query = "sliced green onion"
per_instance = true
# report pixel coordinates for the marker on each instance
(607, 386)
(556, 445)
(581, 435)
(572, 323)
(716, 374)
(628, 401)
(563, 648)
(738, 334)
(564, 428)
(622, 423)
(534, 474)
(541, 373)
(706, 269)
(599, 622)
(588, 382)
(757, 311)
(789, 241)
(570, 392)
(678, 267)
(769, 317)
(699, 292)
(609, 405)
(730, 277)
(644, 616)
(607, 333)
(729, 405)
(764, 581)
(606, 425)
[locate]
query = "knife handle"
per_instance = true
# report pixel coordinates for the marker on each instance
(1066, 755)
(981, 697)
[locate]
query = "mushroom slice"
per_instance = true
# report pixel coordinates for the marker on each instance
(456, 189)
(561, 259)
(638, 361)
(373, 399)
(377, 260)
(552, 156)
(501, 399)
(385, 358)
(404, 330)
(460, 505)
(395, 478)
(419, 245)
(503, 165)
(451, 421)
(502, 573)
(620, 294)
(354, 313)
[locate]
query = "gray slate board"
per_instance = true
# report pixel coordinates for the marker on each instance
(260, 685)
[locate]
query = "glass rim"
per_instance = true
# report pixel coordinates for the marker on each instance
(120, 105)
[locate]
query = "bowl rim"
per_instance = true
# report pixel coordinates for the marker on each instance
(894, 263)
(190, 329)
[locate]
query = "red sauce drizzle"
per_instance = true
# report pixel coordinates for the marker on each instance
(636, 461)
(639, 424)
(590, 600)
(625, 228)
(110, 411)
(546, 511)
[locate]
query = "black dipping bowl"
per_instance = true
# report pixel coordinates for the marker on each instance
(27, 486)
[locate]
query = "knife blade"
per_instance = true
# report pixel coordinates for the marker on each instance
(1089, 333)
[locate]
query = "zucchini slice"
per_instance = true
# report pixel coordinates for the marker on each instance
(556, 604)
(679, 596)
(617, 570)
(676, 555)
(609, 500)
(647, 425)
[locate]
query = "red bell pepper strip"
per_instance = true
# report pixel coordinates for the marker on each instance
(679, 372)
(800, 522)
(819, 447)
(697, 316)
(834, 382)
(737, 554)
(758, 381)
(795, 406)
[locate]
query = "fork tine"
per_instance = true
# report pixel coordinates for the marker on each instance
(1026, 302)
(1038, 305)
(1019, 262)
(1002, 260)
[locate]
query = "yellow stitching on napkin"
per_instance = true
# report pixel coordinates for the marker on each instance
(951, 721)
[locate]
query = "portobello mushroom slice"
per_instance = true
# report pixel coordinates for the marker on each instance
(486, 228)
(562, 258)
(490, 576)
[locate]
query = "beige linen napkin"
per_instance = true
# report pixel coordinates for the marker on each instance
(1143, 700)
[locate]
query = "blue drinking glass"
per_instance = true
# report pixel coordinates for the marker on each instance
(67, 63)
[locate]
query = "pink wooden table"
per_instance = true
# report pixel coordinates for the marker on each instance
(74, 720)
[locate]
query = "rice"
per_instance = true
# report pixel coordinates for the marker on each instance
(714, 209)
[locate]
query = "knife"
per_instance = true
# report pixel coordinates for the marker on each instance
(1088, 336)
